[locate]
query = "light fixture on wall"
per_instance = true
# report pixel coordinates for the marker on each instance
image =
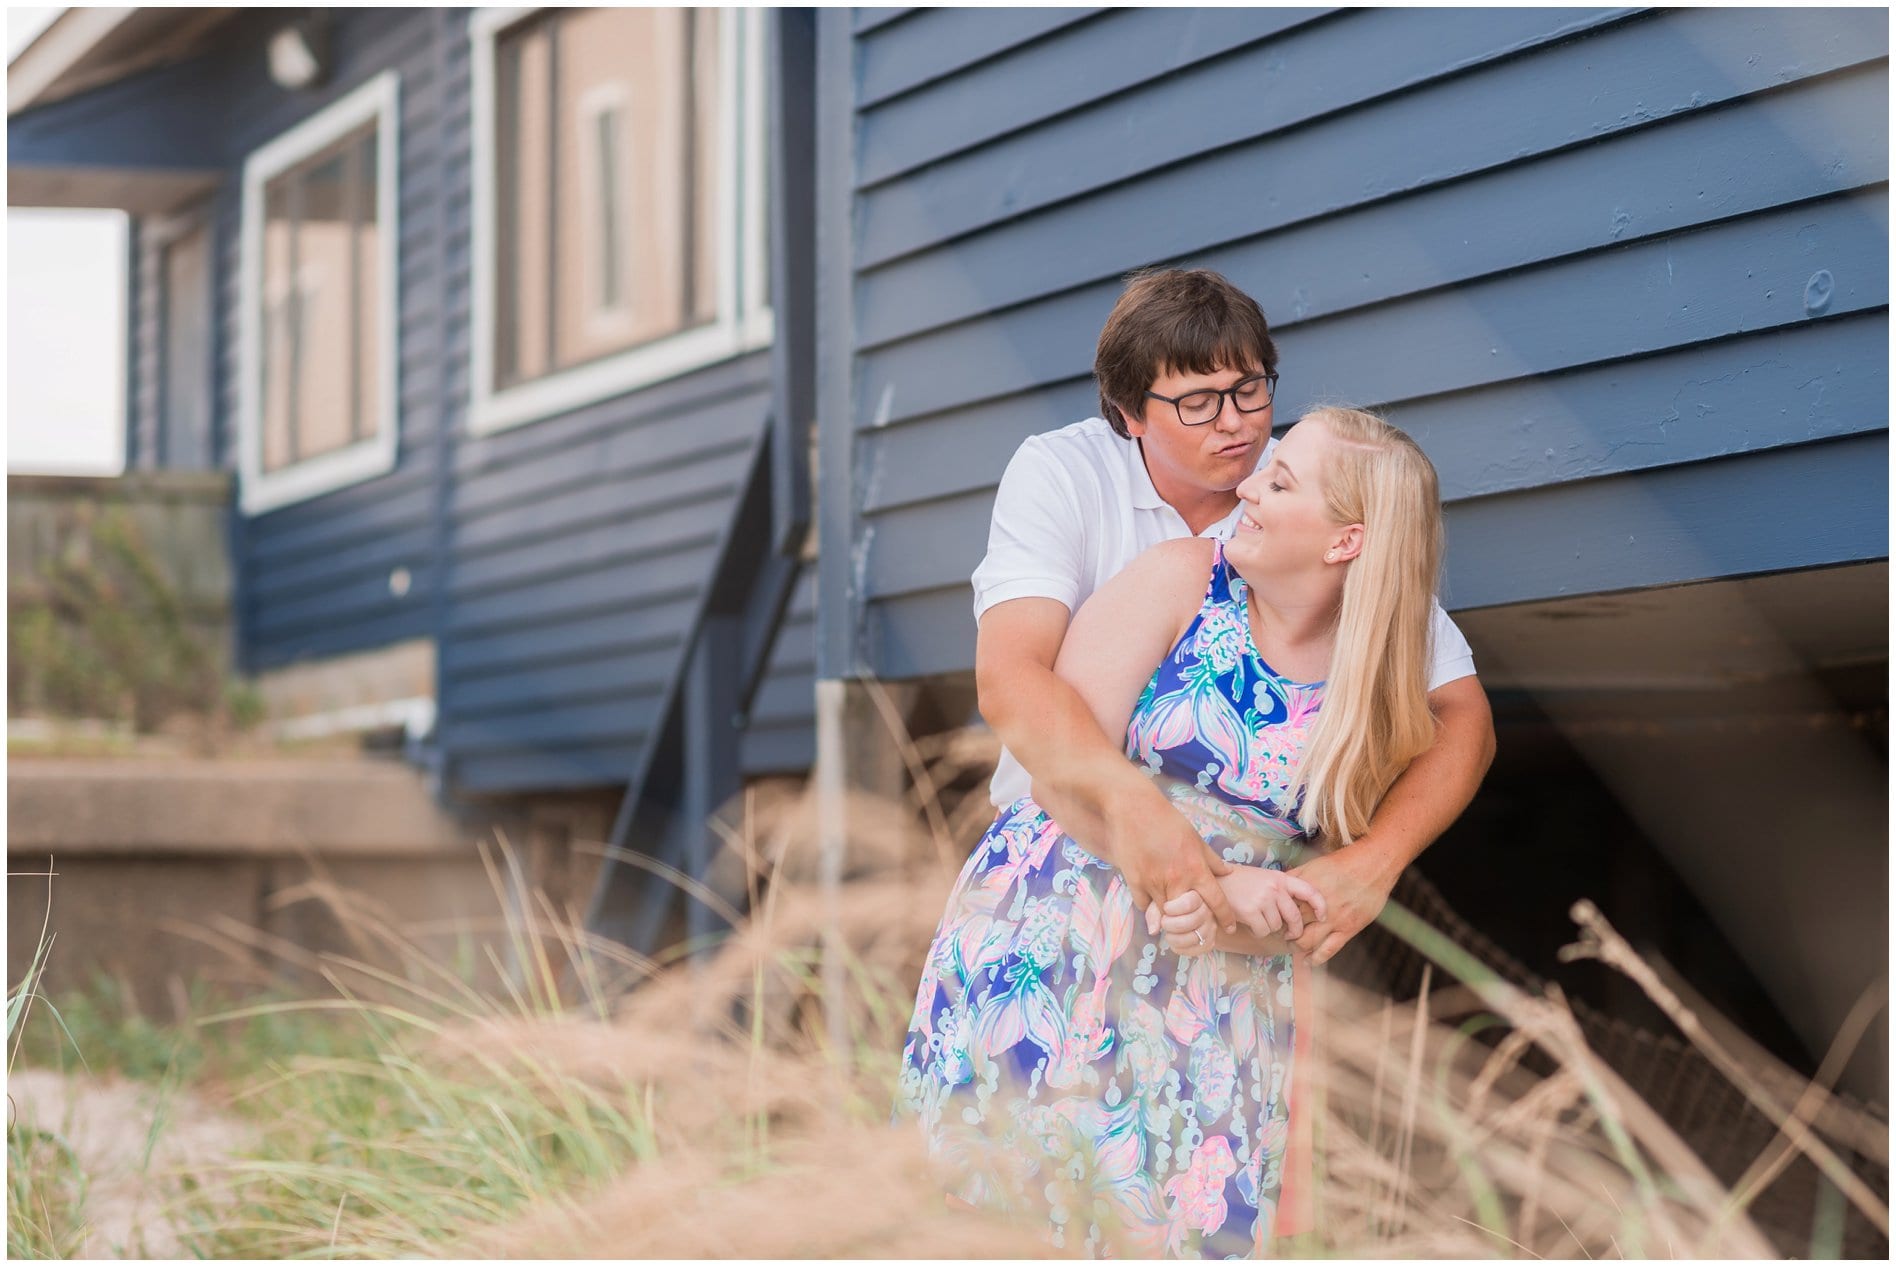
(299, 53)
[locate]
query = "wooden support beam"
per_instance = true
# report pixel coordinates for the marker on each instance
(691, 767)
(712, 776)
(856, 757)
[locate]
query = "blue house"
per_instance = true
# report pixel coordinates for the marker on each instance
(478, 308)
(616, 374)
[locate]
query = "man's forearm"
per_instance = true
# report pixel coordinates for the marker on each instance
(1357, 879)
(1246, 942)
(1432, 793)
(1079, 774)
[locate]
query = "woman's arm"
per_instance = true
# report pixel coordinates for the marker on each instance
(1120, 634)
(1117, 638)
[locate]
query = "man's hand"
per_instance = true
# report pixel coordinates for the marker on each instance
(1265, 899)
(1357, 882)
(1162, 858)
(1272, 901)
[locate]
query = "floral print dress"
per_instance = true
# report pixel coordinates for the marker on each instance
(1063, 1062)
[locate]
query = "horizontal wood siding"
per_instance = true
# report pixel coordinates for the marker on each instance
(575, 552)
(558, 564)
(780, 737)
(1620, 271)
(580, 546)
(314, 578)
(927, 45)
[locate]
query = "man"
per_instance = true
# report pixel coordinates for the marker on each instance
(1186, 371)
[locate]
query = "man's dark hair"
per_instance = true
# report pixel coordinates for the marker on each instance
(1180, 321)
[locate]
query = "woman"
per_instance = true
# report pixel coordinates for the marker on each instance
(1064, 1055)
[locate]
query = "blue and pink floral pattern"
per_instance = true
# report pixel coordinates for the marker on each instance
(1061, 1061)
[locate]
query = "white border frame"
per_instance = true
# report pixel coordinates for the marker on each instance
(378, 100)
(754, 315)
(742, 324)
(605, 321)
(60, 45)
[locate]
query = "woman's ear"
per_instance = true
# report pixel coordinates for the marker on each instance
(1346, 545)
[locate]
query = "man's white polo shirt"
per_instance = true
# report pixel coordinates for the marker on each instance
(1075, 507)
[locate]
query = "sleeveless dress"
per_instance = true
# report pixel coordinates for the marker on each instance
(1062, 1062)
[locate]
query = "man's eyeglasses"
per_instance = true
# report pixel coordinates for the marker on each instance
(1195, 409)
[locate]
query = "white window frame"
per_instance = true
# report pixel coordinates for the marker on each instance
(602, 320)
(743, 323)
(376, 101)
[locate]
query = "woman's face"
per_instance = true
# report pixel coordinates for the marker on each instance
(1284, 527)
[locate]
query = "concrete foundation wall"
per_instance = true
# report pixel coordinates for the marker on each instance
(157, 924)
(168, 872)
(345, 689)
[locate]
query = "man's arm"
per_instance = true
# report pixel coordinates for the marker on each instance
(1081, 777)
(1246, 942)
(1077, 771)
(1421, 804)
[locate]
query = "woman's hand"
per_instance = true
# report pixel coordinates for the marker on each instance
(1188, 925)
(1264, 899)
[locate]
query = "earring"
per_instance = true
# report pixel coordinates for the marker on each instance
(1329, 556)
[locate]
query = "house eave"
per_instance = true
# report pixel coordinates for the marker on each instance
(85, 48)
(140, 193)
(147, 142)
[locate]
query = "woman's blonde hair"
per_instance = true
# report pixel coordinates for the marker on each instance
(1375, 717)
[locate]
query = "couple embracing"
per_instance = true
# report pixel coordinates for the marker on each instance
(1233, 714)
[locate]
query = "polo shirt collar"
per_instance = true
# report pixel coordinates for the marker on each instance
(1225, 528)
(1145, 495)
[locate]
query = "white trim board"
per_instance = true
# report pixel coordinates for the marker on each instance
(415, 715)
(743, 323)
(258, 491)
(57, 49)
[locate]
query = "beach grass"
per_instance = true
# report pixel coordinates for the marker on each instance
(555, 1095)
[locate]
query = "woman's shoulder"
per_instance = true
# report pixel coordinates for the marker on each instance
(1180, 554)
(1179, 567)
(1147, 606)
(1169, 577)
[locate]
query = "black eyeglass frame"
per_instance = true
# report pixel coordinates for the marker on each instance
(1231, 391)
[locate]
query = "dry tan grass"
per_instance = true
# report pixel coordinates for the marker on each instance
(831, 1192)
(754, 1136)
(1433, 1145)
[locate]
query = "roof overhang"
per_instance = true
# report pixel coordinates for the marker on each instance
(84, 48)
(108, 108)
(140, 193)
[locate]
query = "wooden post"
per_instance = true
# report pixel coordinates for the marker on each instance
(856, 757)
(711, 764)
(832, 840)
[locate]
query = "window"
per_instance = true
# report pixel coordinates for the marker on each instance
(182, 435)
(618, 218)
(318, 317)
